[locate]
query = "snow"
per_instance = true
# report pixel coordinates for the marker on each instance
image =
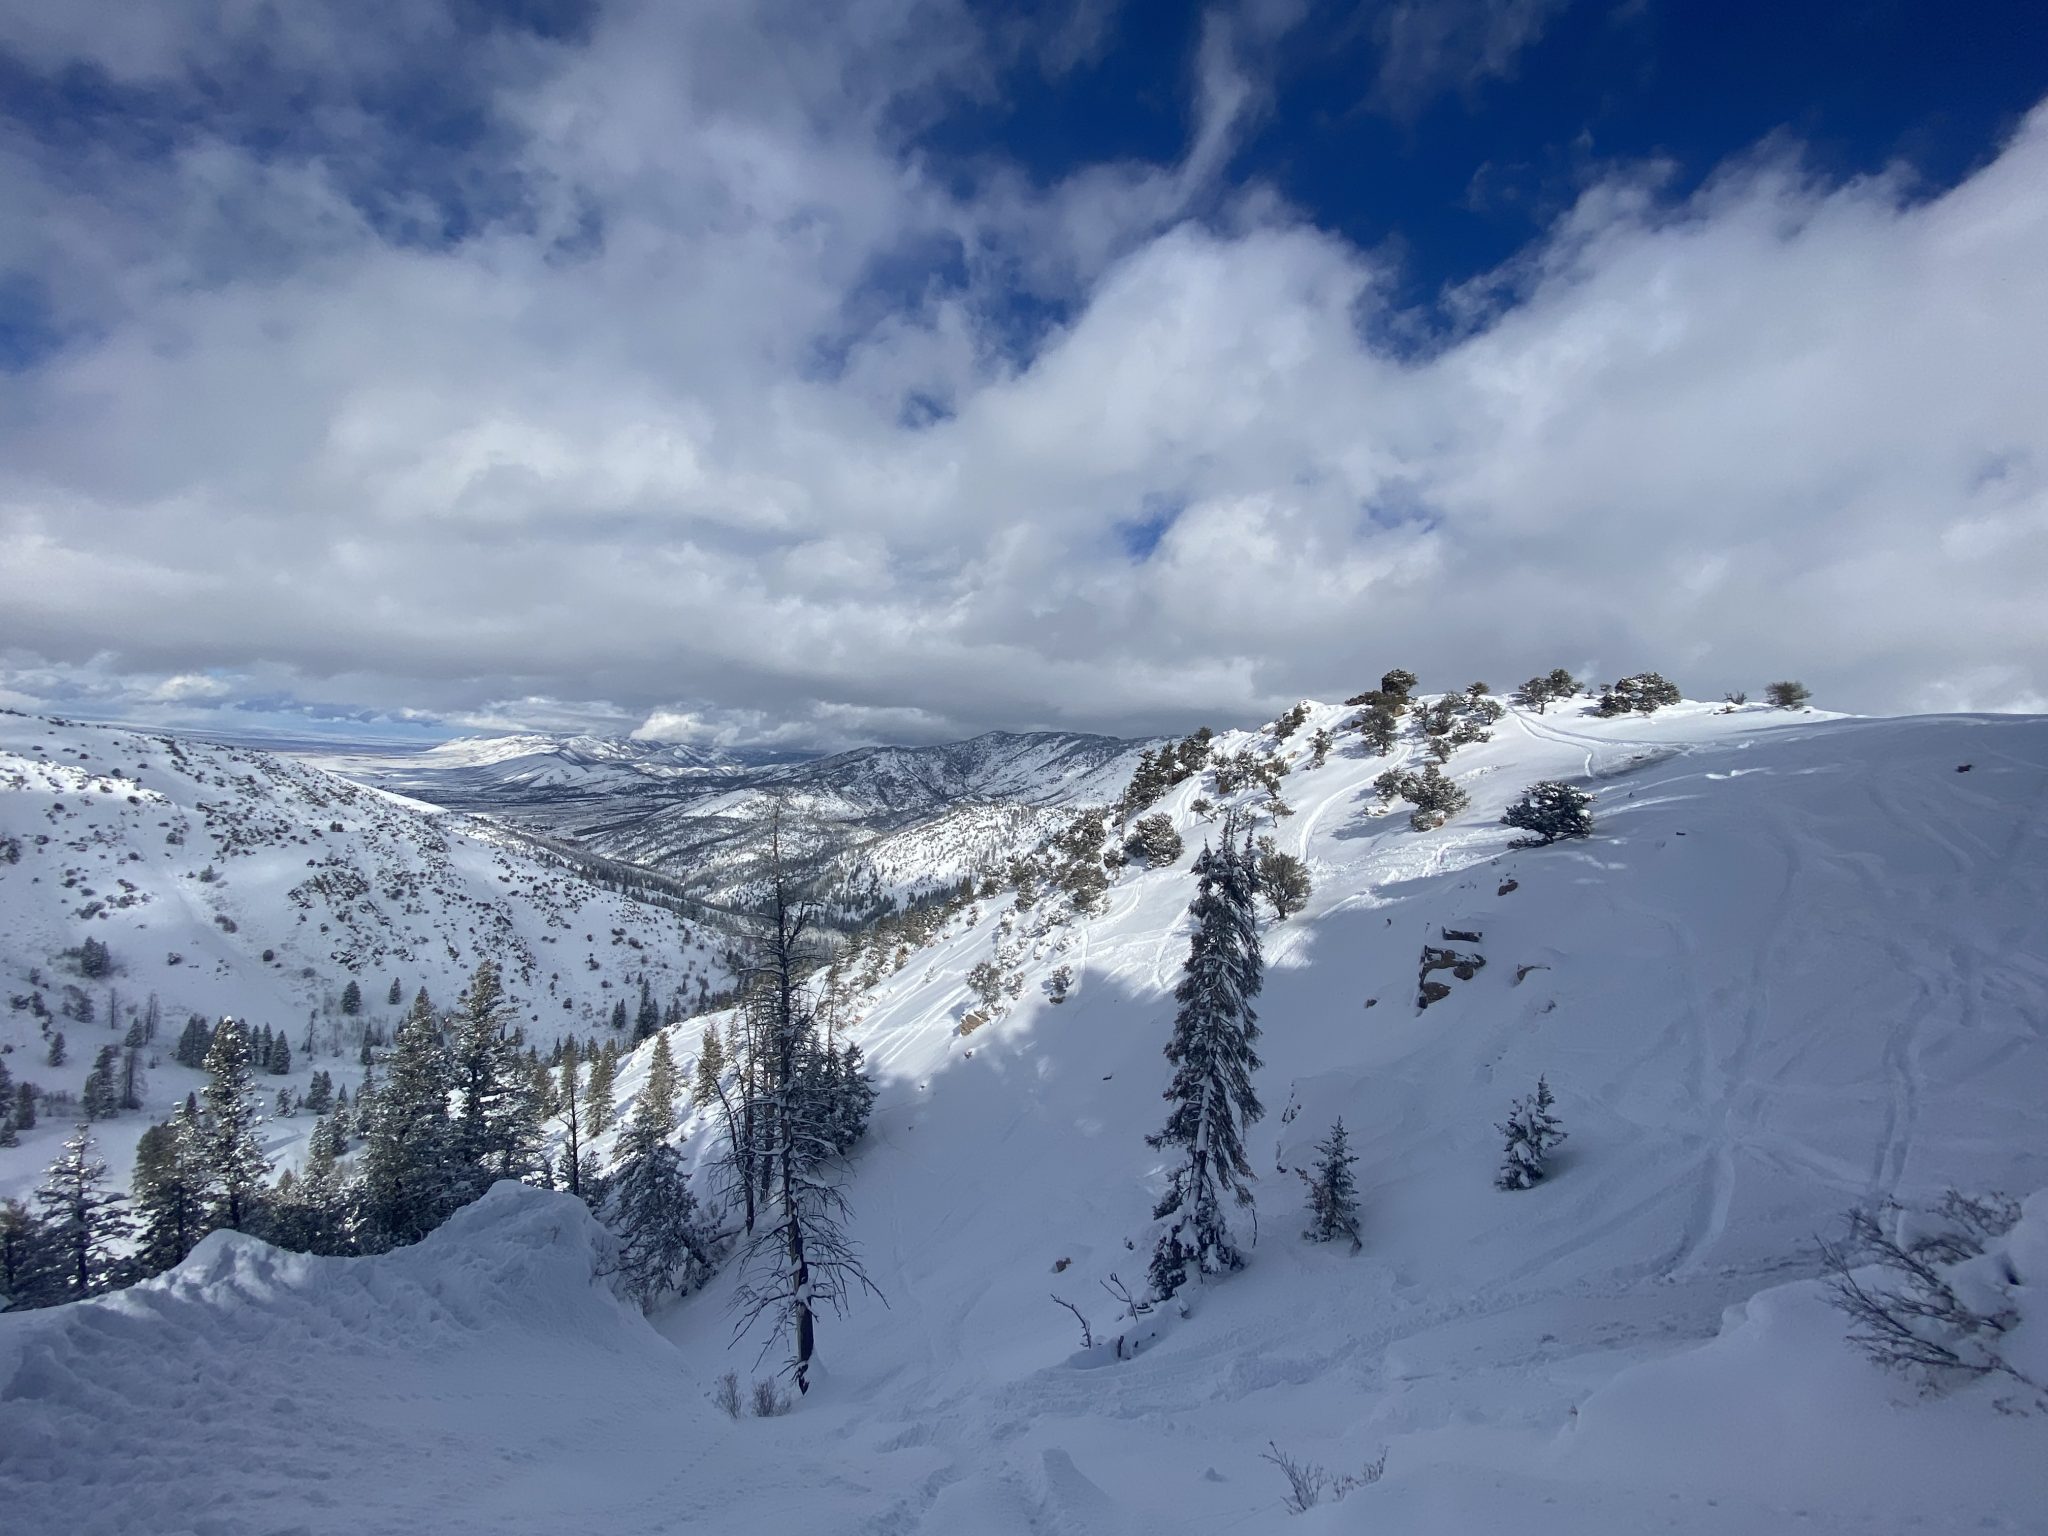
(1799, 966)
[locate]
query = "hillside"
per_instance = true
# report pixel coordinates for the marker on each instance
(877, 826)
(227, 880)
(1798, 967)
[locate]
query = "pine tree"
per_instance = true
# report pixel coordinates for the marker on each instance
(24, 1106)
(83, 1220)
(7, 1128)
(1551, 810)
(1283, 879)
(231, 1118)
(1532, 1132)
(320, 1094)
(29, 1276)
(94, 960)
(396, 995)
(170, 1193)
(497, 1130)
(132, 1079)
(352, 997)
(101, 1099)
(1211, 1091)
(597, 1094)
(619, 1016)
(798, 1259)
(568, 1095)
(647, 1018)
(1332, 1191)
(653, 1212)
(193, 1043)
(657, 1101)
(57, 1052)
(278, 1060)
(411, 1174)
(1787, 695)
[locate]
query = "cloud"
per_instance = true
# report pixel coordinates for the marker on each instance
(1430, 47)
(709, 403)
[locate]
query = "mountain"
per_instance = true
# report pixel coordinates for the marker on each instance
(231, 880)
(1796, 968)
(876, 827)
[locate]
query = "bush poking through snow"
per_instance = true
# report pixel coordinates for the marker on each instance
(1645, 693)
(727, 1394)
(1788, 695)
(1925, 1315)
(770, 1401)
(1436, 799)
(1532, 1132)
(1308, 1484)
(1550, 810)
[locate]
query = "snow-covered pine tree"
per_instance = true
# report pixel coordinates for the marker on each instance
(497, 1129)
(82, 1219)
(1532, 1132)
(652, 1211)
(1333, 1191)
(170, 1187)
(231, 1113)
(1550, 810)
(410, 1174)
(1211, 1091)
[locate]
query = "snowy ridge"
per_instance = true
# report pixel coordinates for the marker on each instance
(1798, 967)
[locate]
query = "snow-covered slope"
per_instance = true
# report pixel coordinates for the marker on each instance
(225, 880)
(1799, 966)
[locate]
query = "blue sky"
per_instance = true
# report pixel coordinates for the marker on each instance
(811, 374)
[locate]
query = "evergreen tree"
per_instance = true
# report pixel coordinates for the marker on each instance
(653, 1213)
(57, 1052)
(1211, 1092)
(597, 1095)
(1332, 1191)
(396, 995)
(101, 1099)
(192, 1043)
(279, 1060)
(412, 1175)
(1787, 695)
(657, 1101)
(82, 1219)
(1154, 840)
(497, 1131)
(7, 1130)
(170, 1186)
(1283, 879)
(230, 1121)
(320, 1094)
(1550, 810)
(352, 997)
(29, 1276)
(647, 1018)
(310, 1211)
(1319, 746)
(132, 1078)
(1532, 1132)
(568, 1095)
(24, 1106)
(94, 960)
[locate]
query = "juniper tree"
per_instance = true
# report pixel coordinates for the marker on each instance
(411, 1173)
(1332, 1191)
(230, 1118)
(1283, 880)
(1532, 1132)
(1550, 810)
(170, 1185)
(1644, 693)
(1787, 695)
(1319, 746)
(82, 1219)
(1211, 1091)
(1154, 840)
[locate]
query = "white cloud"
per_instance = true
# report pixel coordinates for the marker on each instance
(1782, 427)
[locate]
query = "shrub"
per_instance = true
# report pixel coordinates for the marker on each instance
(727, 1394)
(1788, 695)
(1645, 693)
(1284, 880)
(1550, 810)
(770, 1401)
(1154, 840)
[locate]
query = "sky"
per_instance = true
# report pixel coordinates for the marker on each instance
(759, 373)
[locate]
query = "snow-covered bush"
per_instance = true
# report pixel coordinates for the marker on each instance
(1644, 693)
(1154, 840)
